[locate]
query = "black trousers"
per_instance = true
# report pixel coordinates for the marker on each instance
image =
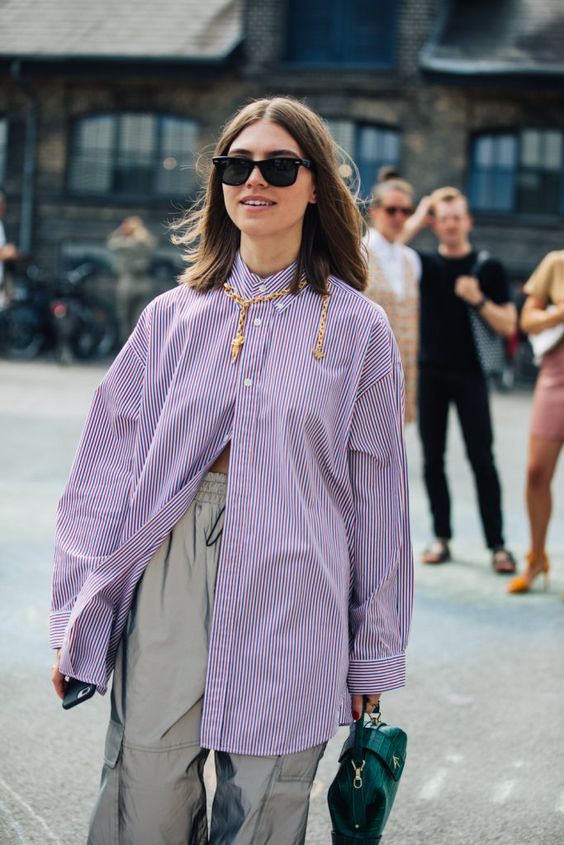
(469, 393)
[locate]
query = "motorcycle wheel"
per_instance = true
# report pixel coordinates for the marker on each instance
(21, 334)
(98, 333)
(64, 354)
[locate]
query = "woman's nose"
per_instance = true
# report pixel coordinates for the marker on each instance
(255, 177)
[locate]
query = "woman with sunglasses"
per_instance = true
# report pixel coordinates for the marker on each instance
(257, 408)
(394, 271)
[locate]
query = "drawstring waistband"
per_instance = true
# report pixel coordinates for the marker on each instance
(213, 488)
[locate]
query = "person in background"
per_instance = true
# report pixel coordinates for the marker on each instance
(8, 251)
(394, 271)
(235, 528)
(449, 368)
(133, 247)
(386, 172)
(543, 309)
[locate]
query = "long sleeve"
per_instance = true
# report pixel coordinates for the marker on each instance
(382, 587)
(93, 506)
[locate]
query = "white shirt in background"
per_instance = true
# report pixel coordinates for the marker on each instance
(391, 257)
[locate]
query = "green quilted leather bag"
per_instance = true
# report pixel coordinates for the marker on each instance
(363, 791)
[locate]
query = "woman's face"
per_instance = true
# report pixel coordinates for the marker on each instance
(390, 216)
(279, 214)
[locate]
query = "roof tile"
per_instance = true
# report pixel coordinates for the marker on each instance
(201, 29)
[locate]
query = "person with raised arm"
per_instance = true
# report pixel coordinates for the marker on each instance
(457, 285)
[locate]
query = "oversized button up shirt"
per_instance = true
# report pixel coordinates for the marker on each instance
(314, 588)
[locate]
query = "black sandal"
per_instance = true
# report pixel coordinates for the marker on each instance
(503, 562)
(436, 552)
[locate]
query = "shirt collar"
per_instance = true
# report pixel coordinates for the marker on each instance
(379, 242)
(249, 284)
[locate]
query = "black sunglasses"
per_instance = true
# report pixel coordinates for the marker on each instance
(278, 171)
(397, 209)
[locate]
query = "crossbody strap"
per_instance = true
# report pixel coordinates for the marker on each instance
(481, 259)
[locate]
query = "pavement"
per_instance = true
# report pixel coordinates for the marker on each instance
(483, 707)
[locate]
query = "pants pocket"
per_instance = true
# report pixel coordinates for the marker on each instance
(112, 747)
(302, 765)
(104, 821)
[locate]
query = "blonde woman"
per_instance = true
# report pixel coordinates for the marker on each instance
(543, 309)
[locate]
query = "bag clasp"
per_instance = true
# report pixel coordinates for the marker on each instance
(357, 782)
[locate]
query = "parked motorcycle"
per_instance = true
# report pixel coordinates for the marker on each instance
(25, 320)
(83, 326)
(59, 313)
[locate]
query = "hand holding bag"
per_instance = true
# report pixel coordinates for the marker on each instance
(362, 794)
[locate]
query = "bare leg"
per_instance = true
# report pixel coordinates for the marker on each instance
(543, 457)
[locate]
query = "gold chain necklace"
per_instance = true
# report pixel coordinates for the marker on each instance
(245, 304)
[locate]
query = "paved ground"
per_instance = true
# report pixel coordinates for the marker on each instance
(483, 708)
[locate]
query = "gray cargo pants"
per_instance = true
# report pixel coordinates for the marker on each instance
(152, 790)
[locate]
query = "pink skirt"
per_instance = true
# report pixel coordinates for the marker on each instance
(547, 420)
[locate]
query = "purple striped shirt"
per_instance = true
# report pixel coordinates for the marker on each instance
(314, 590)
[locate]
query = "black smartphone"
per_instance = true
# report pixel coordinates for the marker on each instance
(77, 692)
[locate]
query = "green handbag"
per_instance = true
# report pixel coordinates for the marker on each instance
(361, 796)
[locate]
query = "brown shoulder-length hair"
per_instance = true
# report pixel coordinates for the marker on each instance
(332, 227)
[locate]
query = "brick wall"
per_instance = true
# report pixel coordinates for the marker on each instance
(435, 119)
(62, 220)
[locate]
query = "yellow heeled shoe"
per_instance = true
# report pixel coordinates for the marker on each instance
(535, 566)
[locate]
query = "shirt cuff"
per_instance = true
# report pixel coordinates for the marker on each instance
(367, 677)
(58, 621)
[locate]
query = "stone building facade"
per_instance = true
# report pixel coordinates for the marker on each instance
(449, 105)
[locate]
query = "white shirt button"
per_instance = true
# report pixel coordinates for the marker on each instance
(262, 288)
(257, 321)
(248, 382)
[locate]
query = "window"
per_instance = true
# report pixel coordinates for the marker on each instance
(539, 178)
(3, 148)
(369, 146)
(492, 182)
(357, 33)
(133, 154)
(520, 172)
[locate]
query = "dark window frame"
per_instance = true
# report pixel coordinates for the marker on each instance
(343, 59)
(153, 196)
(383, 127)
(357, 127)
(4, 150)
(522, 213)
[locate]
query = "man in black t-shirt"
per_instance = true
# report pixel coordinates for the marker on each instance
(454, 281)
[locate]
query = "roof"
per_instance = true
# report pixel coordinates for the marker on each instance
(119, 29)
(505, 37)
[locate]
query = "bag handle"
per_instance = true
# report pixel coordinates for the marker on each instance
(358, 763)
(359, 727)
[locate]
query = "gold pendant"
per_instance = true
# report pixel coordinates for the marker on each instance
(236, 345)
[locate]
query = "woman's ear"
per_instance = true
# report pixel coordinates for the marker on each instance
(313, 196)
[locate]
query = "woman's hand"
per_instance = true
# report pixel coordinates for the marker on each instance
(372, 700)
(58, 679)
